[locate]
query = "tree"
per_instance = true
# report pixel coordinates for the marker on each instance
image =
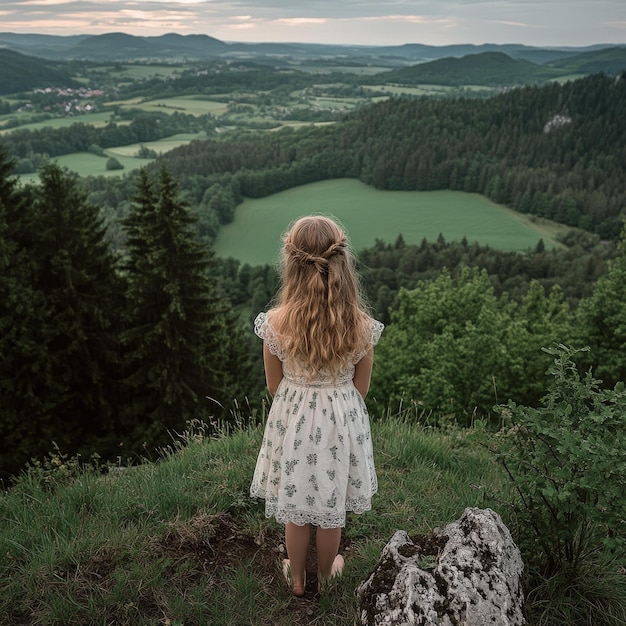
(602, 320)
(454, 347)
(61, 350)
(180, 335)
(114, 164)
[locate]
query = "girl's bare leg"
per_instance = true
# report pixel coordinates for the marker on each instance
(297, 539)
(327, 543)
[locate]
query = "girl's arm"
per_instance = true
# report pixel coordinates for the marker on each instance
(273, 369)
(363, 372)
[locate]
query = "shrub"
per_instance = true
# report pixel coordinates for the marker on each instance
(567, 464)
(94, 148)
(114, 164)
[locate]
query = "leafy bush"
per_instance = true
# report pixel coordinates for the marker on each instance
(455, 348)
(94, 148)
(114, 164)
(567, 463)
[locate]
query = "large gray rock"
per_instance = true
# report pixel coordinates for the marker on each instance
(468, 574)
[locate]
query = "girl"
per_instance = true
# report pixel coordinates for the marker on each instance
(316, 460)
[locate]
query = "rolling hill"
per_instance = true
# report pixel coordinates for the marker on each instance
(121, 46)
(608, 60)
(485, 68)
(19, 72)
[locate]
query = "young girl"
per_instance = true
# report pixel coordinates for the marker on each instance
(316, 459)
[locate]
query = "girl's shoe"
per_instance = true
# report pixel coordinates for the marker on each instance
(297, 590)
(336, 571)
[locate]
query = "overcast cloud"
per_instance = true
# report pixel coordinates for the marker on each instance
(434, 22)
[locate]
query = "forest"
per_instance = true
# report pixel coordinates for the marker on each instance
(119, 325)
(556, 151)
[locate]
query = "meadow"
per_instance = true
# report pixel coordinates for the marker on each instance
(369, 214)
(88, 164)
(97, 119)
(190, 105)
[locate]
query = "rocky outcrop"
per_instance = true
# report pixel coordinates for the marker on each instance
(467, 574)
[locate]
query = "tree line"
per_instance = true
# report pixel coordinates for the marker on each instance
(387, 268)
(454, 347)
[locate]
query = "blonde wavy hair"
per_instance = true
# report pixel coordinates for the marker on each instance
(320, 316)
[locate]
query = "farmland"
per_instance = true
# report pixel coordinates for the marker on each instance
(369, 214)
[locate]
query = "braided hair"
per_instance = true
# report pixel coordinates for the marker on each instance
(320, 317)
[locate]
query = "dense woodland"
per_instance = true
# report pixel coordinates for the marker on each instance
(557, 151)
(119, 325)
(102, 354)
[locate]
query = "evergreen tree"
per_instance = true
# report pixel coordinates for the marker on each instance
(61, 350)
(179, 341)
(19, 344)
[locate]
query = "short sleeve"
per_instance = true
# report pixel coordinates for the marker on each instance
(377, 331)
(264, 330)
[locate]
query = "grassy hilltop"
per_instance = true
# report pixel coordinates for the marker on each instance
(179, 541)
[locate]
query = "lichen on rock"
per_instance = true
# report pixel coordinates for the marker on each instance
(466, 574)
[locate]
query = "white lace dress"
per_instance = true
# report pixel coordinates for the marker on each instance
(316, 460)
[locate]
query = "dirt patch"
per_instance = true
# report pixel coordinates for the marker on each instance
(214, 542)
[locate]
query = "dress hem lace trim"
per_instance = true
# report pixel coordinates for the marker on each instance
(336, 519)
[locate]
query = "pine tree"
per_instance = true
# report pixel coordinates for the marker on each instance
(177, 344)
(17, 344)
(61, 351)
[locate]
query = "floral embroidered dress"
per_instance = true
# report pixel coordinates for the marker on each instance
(316, 460)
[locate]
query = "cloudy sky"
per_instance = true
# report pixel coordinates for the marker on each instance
(376, 22)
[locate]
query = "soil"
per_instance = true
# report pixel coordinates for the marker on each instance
(215, 542)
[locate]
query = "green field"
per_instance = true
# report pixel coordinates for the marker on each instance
(87, 164)
(98, 120)
(369, 214)
(425, 90)
(159, 146)
(190, 105)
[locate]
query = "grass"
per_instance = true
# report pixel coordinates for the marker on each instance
(179, 541)
(141, 71)
(427, 90)
(254, 235)
(363, 70)
(159, 146)
(190, 105)
(87, 164)
(98, 120)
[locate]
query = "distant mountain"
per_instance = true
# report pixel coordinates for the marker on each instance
(486, 68)
(187, 44)
(608, 60)
(120, 46)
(111, 46)
(44, 46)
(19, 72)
(172, 46)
